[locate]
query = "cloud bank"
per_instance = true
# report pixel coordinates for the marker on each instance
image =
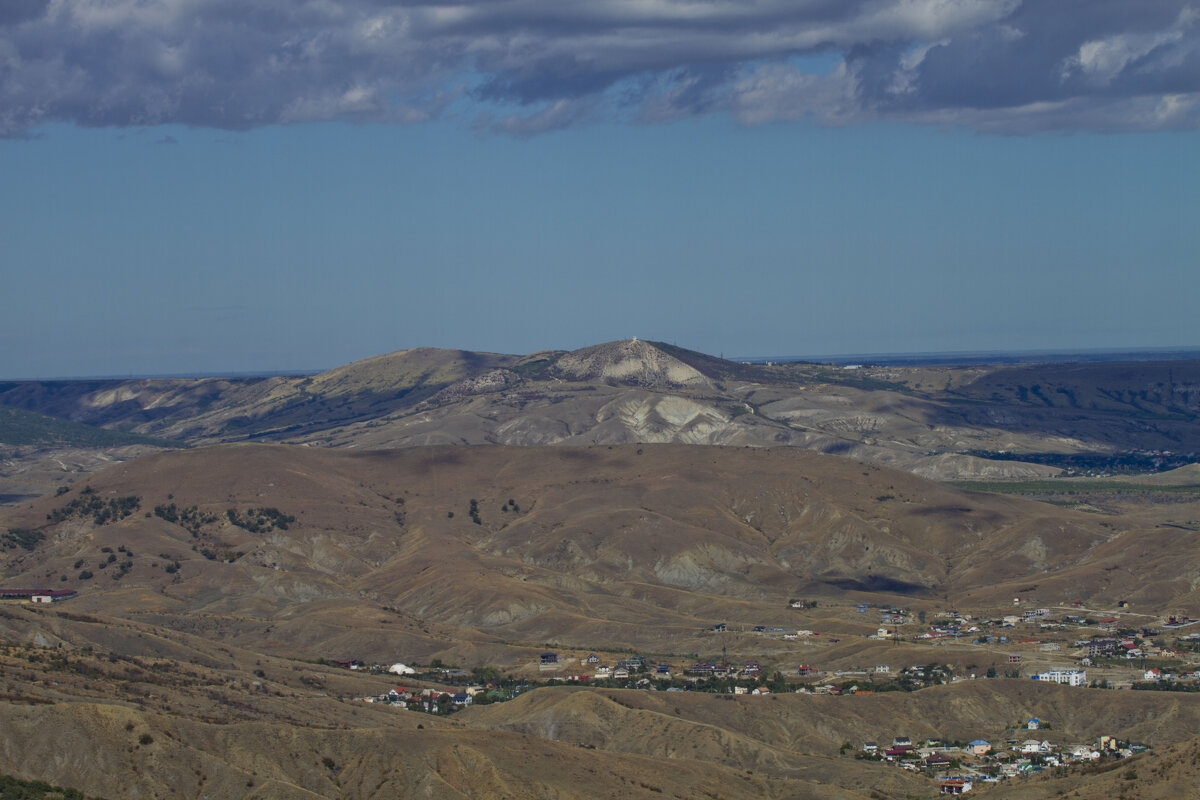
(525, 66)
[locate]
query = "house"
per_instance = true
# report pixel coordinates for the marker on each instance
(1108, 624)
(719, 627)
(870, 747)
(1071, 677)
(1153, 675)
(979, 747)
(1033, 724)
(751, 669)
(37, 595)
(549, 658)
(1014, 658)
(53, 595)
(938, 761)
(462, 699)
(761, 690)
(620, 673)
(401, 669)
(1031, 747)
(593, 658)
(954, 786)
(902, 741)
(805, 669)
(882, 669)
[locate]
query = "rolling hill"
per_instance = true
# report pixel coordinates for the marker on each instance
(974, 422)
(610, 546)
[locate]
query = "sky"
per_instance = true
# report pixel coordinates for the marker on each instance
(214, 186)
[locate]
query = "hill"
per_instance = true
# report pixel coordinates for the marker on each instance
(19, 427)
(976, 422)
(587, 547)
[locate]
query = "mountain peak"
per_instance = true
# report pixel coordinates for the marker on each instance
(631, 362)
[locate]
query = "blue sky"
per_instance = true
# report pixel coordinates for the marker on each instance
(873, 181)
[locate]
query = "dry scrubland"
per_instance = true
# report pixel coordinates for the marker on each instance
(190, 671)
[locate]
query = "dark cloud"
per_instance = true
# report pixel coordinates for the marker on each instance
(1011, 65)
(14, 11)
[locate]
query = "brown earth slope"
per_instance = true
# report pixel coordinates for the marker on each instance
(588, 547)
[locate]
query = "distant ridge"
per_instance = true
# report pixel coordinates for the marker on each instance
(931, 358)
(984, 357)
(945, 421)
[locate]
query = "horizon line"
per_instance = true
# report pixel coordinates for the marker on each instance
(913, 358)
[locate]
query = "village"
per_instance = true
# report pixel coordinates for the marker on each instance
(959, 766)
(1065, 645)
(1028, 747)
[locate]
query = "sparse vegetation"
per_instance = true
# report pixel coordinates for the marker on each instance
(190, 518)
(21, 427)
(102, 512)
(16, 789)
(260, 520)
(22, 538)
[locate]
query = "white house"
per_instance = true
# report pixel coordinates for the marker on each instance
(1071, 677)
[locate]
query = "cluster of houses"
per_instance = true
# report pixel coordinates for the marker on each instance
(767, 630)
(428, 700)
(1129, 648)
(981, 761)
(440, 701)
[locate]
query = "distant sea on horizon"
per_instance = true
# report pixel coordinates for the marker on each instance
(967, 358)
(944, 359)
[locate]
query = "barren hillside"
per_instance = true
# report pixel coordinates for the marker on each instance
(944, 422)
